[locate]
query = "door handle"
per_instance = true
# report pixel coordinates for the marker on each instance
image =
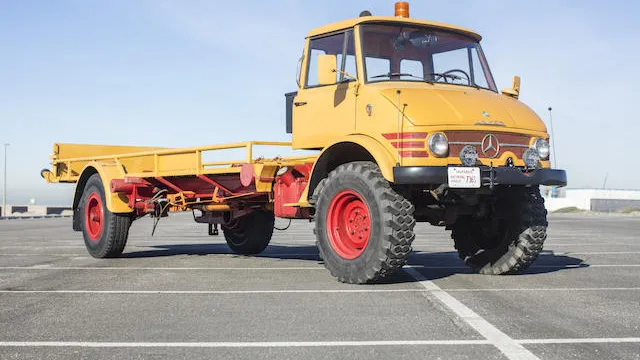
(300, 103)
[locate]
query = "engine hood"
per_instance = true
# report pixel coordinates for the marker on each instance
(463, 106)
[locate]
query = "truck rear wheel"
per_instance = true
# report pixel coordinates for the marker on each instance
(364, 229)
(105, 233)
(251, 233)
(510, 239)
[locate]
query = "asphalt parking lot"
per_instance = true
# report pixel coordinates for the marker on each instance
(182, 294)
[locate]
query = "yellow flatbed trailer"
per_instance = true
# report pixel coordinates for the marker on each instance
(409, 126)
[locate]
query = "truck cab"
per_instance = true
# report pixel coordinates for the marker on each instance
(423, 91)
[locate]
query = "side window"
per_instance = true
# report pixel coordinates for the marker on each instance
(342, 45)
(312, 74)
(348, 65)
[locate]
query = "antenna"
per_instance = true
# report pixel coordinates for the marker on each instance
(553, 139)
(604, 185)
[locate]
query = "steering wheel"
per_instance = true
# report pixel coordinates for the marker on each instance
(454, 70)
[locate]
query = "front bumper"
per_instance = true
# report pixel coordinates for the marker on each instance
(436, 175)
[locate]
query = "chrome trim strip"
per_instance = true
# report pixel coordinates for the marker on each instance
(464, 143)
(479, 143)
(515, 145)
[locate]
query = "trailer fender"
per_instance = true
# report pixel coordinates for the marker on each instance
(107, 170)
(347, 149)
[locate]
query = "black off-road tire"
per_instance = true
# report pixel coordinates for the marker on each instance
(251, 233)
(519, 239)
(105, 233)
(391, 224)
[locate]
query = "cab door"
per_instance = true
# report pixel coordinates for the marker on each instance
(324, 112)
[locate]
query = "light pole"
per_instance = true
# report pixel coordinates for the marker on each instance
(4, 183)
(553, 140)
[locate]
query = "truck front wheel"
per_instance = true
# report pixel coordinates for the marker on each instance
(251, 233)
(510, 239)
(105, 233)
(364, 229)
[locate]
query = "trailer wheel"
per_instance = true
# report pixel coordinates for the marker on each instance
(510, 240)
(364, 229)
(251, 233)
(105, 233)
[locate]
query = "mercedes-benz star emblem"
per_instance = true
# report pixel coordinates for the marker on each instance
(490, 146)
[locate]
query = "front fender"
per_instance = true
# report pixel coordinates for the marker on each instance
(355, 147)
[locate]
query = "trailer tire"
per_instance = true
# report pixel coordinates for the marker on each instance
(105, 233)
(516, 245)
(251, 233)
(364, 229)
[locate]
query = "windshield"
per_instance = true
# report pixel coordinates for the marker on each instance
(417, 53)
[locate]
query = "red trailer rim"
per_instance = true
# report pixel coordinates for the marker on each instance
(348, 224)
(94, 216)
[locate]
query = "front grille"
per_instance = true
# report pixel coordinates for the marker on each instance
(514, 143)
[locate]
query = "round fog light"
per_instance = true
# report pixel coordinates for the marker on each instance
(468, 155)
(531, 158)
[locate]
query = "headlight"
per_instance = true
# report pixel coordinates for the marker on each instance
(439, 145)
(542, 147)
(531, 158)
(468, 155)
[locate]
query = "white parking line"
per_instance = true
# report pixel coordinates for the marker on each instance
(571, 266)
(36, 254)
(580, 341)
(509, 347)
(300, 291)
(262, 255)
(589, 244)
(272, 344)
(275, 344)
(596, 253)
(50, 267)
(210, 292)
(47, 267)
(547, 289)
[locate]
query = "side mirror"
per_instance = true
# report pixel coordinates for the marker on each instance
(514, 92)
(327, 69)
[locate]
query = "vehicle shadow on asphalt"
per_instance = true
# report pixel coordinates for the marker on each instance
(436, 265)
(432, 265)
(272, 251)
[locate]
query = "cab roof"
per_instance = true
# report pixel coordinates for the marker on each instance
(349, 23)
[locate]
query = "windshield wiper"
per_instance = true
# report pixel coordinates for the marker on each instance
(456, 77)
(389, 75)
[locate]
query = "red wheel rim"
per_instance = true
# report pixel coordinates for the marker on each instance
(94, 217)
(348, 224)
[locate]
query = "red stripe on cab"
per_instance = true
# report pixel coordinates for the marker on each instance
(406, 135)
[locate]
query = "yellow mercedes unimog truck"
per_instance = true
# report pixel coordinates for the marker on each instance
(409, 126)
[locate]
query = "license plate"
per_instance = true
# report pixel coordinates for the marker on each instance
(464, 177)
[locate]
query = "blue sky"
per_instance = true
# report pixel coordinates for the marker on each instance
(187, 73)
